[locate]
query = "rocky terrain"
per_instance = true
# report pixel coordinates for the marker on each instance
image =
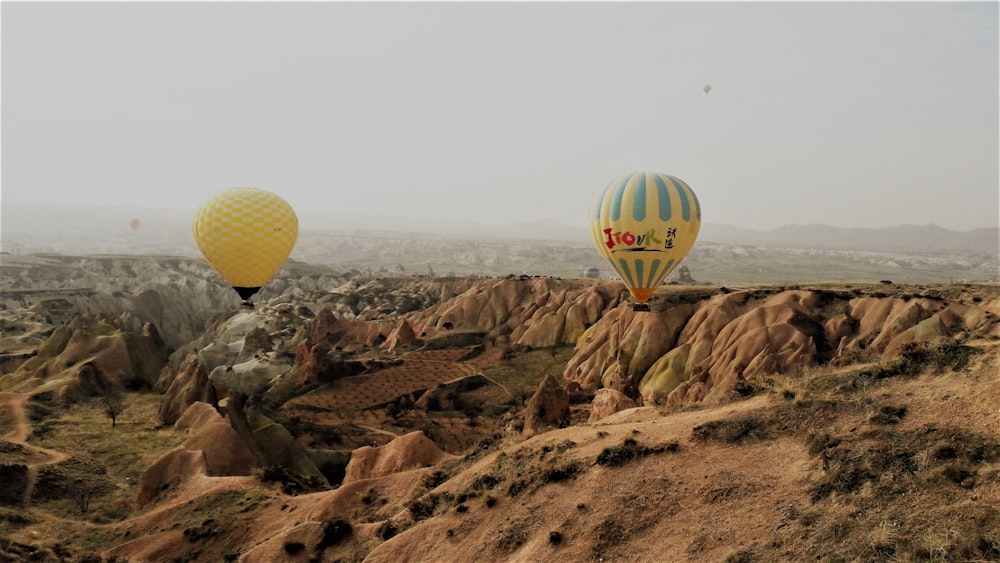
(145, 417)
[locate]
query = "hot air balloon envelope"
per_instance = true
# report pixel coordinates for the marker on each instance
(246, 234)
(707, 88)
(134, 223)
(643, 225)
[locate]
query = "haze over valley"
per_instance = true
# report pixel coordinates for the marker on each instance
(722, 254)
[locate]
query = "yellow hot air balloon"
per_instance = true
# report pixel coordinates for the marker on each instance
(246, 234)
(643, 225)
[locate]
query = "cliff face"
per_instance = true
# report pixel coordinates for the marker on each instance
(692, 352)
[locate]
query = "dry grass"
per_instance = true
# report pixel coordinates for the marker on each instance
(125, 450)
(524, 372)
(105, 464)
(6, 421)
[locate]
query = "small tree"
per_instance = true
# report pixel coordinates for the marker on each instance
(83, 493)
(113, 406)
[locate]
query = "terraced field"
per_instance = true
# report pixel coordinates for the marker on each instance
(418, 371)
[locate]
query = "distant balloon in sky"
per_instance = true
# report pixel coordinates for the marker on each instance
(246, 234)
(707, 88)
(643, 225)
(134, 223)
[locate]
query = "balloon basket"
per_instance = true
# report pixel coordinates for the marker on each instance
(644, 307)
(246, 305)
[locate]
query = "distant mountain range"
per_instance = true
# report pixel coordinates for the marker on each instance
(43, 228)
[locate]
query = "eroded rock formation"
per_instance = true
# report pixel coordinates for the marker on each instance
(688, 353)
(548, 408)
(410, 451)
(607, 402)
(91, 356)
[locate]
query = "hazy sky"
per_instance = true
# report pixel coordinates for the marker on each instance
(850, 114)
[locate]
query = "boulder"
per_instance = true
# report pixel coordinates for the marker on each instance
(608, 402)
(547, 408)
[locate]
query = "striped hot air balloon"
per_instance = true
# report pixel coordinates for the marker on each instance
(246, 234)
(643, 225)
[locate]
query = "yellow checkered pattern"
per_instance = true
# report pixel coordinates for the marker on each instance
(246, 234)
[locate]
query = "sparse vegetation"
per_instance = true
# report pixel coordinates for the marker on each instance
(913, 358)
(888, 414)
(512, 537)
(387, 530)
(435, 479)
(294, 548)
(424, 506)
(630, 449)
(291, 482)
(609, 533)
(561, 472)
(370, 496)
(522, 373)
(485, 482)
(734, 430)
(334, 532)
(113, 404)
(739, 556)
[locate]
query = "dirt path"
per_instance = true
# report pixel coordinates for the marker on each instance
(33, 456)
(14, 404)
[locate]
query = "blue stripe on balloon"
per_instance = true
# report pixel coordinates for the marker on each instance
(639, 204)
(664, 196)
(626, 273)
(638, 270)
(694, 198)
(697, 205)
(652, 273)
(600, 201)
(662, 274)
(616, 200)
(685, 204)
